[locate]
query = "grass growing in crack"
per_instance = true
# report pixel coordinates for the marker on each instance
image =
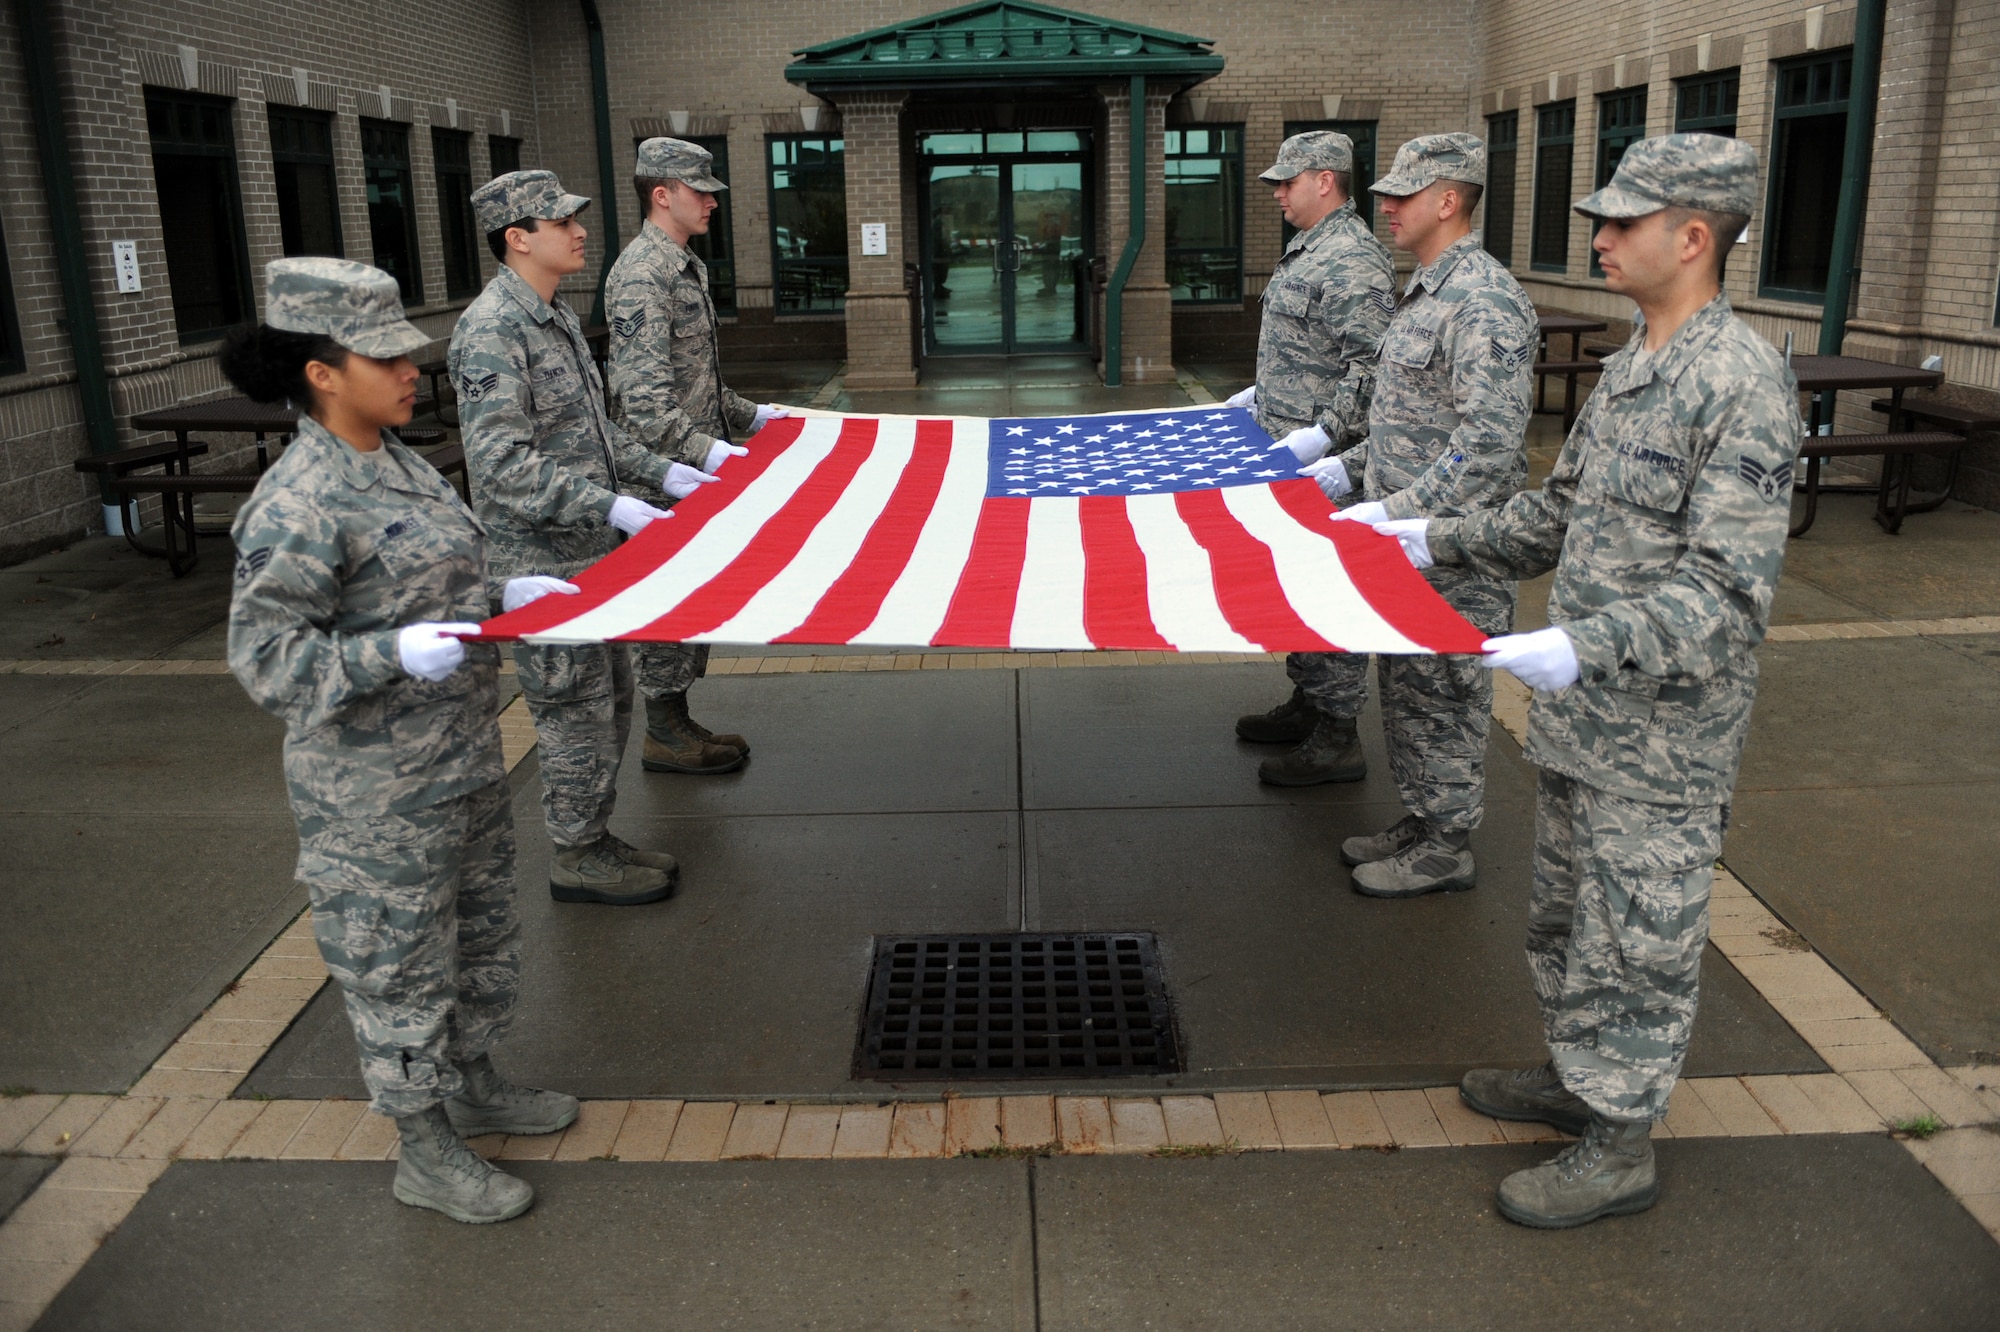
(1791, 941)
(1919, 1126)
(998, 1152)
(1181, 1151)
(16, 1091)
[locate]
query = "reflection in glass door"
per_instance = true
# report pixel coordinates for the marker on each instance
(1005, 236)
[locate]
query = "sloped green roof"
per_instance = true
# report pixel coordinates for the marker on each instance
(999, 40)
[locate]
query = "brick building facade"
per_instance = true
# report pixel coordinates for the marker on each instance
(1571, 80)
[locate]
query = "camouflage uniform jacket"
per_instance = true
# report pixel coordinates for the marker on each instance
(1447, 427)
(543, 458)
(335, 554)
(1324, 311)
(1664, 520)
(665, 366)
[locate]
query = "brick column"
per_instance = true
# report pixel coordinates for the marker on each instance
(878, 308)
(1148, 351)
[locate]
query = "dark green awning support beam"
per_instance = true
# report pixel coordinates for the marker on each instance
(1866, 87)
(607, 169)
(66, 224)
(1135, 240)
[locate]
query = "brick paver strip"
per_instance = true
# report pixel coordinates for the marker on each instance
(161, 1138)
(206, 1057)
(1247, 1122)
(1966, 1161)
(1137, 1124)
(703, 1128)
(864, 1131)
(115, 1127)
(46, 1242)
(1983, 1081)
(54, 1205)
(185, 1082)
(1192, 1121)
(1788, 1105)
(270, 1132)
(1689, 1116)
(1888, 1095)
(323, 1131)
(755, 1132)
(809, 1132)
(1083, 1123)
(22, 1115)
(219, 1130)
(647, 1131)
(1463, 1126)
(1732, 1103)
(1355, 1120)
(1301, 1119)
(1844, 1108)
(918, 1129)
(1027, 1121)
(971, 1124)
(1954, 1104)
(1411, 1119)
(1850, 1003)
(1899, 1053)
(531, 1147)
(373, 1138)
(1514, 1130)
(594, 1132)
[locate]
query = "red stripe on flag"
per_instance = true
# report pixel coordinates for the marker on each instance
(1115, 610)
(855, 598)
(660, 541)
(1245, 576)
(982, 606)
(1381, 573)
(774, 546)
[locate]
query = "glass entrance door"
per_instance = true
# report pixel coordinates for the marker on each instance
(1006, 221)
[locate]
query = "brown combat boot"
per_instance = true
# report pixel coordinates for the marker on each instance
(1330, 753)
(1287, 724)
(675, 744)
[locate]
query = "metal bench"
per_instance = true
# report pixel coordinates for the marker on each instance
(1895, 450)
(1568, 371)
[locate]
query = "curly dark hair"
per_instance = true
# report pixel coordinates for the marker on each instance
(269, 364)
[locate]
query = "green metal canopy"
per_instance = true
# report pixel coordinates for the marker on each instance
(1003, 41)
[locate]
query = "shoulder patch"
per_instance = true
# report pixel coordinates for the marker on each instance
(1513, 358)
(478, 386)
(1770, 483)
(251, 563)
(628, 326)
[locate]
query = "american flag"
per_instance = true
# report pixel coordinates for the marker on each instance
(1184, 530)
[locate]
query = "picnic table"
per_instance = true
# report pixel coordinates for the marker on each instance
(1556, 324)
(129, 473)
(1826, 377)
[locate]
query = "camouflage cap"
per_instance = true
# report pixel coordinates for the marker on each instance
(677, 159)
(1423, 161)
(520, 194)
(1315, 150)
(357, 306)
(1704, 171)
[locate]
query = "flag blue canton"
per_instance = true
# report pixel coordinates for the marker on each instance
(1141, 453)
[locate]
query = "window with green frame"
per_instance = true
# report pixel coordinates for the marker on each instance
(451, 152)
(392, 205)
(1808, 138)
(302, 167)
(1621, 122)
(717, 248)
(201, 211)
(1204, 171)
(1555, 161)
(1503, 135)
(1362, 133)
(808, 179)
(1706, 103)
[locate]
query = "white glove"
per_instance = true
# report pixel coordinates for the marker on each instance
(429, 651)
(1246, 399)
(520, 591)
(1410, 532)
(683, 480)
(721, 452)
(630, 515)
(1308, 443)
(767, 412)
(1545, 659)
(1370, 513)
(1331, 473)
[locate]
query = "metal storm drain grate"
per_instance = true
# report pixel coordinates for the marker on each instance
(1016, 1006)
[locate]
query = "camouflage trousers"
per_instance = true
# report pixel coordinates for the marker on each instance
(1617, 920)
(415, 917)
(1435, 709)
(663, 669)
(581, 700)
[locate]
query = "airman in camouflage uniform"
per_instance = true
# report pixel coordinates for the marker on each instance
(1665, 522)
(405, 826)
(1326, 305)
(665, 371)
(547, 465)
(1446, 435)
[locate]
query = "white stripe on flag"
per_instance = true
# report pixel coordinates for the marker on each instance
(915, 606)
(1312, 576)
(1048, 609)
(1180, 584)
(711, 550)
(784, 602)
